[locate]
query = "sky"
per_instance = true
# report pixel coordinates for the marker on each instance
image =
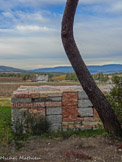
(30, 32)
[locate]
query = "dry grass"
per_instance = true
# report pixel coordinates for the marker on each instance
(6, 89)
(10, 79)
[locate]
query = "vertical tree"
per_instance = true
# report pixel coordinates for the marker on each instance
(106, 113)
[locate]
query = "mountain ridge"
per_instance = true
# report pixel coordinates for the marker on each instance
(10, 69)
(108, 68)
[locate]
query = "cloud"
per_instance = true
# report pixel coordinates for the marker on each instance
(30, 32)
(13, 4)
(99, 36)
(34, 28)
(116, 7)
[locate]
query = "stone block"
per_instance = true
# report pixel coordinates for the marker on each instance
(70, 99)
(21, 100)
(55, 127)
(55, 99)
(85, 112)
(84, 103)
(72, 125)
(19, 117)
(55, 94)
(45, 95)
(19, 114)
(53, 110)
(54, 119)
(41, 99)
(95, 123)
(82, 95)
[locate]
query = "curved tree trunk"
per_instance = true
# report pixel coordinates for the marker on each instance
(97, 98)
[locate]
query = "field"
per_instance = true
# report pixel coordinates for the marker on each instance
(6, 89)
(69, 146)
(10, 79)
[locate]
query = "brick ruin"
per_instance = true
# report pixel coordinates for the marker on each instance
(63, 106)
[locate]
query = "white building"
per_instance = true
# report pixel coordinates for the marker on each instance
(42, 78)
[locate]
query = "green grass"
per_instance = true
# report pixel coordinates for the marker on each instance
(5, 119)
(5, 102)
(70, 133)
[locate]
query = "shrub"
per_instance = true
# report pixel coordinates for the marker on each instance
(38, 126)
(31, 125)
(115, 97)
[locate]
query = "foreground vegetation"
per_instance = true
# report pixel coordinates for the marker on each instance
(115, 97)
(7, 136)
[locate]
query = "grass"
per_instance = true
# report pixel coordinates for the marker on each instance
(70, 133)
(5, 102)
(5, 119)
(5, 122)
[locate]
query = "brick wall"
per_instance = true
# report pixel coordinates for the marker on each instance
(64, 107)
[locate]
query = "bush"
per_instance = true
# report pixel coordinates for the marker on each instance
(38, 126)
(115, 97)
(22, 129)
(31, 125)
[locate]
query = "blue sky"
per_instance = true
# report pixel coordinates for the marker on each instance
(30, 32)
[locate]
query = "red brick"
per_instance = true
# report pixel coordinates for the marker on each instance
(21, 95)
(28, 105)
(92, 119)
(33, 110)
(34, 95)
(68, 120)
(21, 105)
(40, 111)
(70, 98)
(37, 105)
(79, 119)
(71, 125)
(95, 113)
(69, 113)
(88, 126)
(53, 104)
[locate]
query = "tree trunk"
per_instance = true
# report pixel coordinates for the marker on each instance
(106, 113)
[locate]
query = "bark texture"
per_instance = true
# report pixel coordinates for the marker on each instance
(106, 113)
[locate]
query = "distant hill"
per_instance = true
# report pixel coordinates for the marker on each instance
(111, 68)
(62, 69)
(10, 69)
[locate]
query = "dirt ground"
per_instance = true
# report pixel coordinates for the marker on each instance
(74, 149)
